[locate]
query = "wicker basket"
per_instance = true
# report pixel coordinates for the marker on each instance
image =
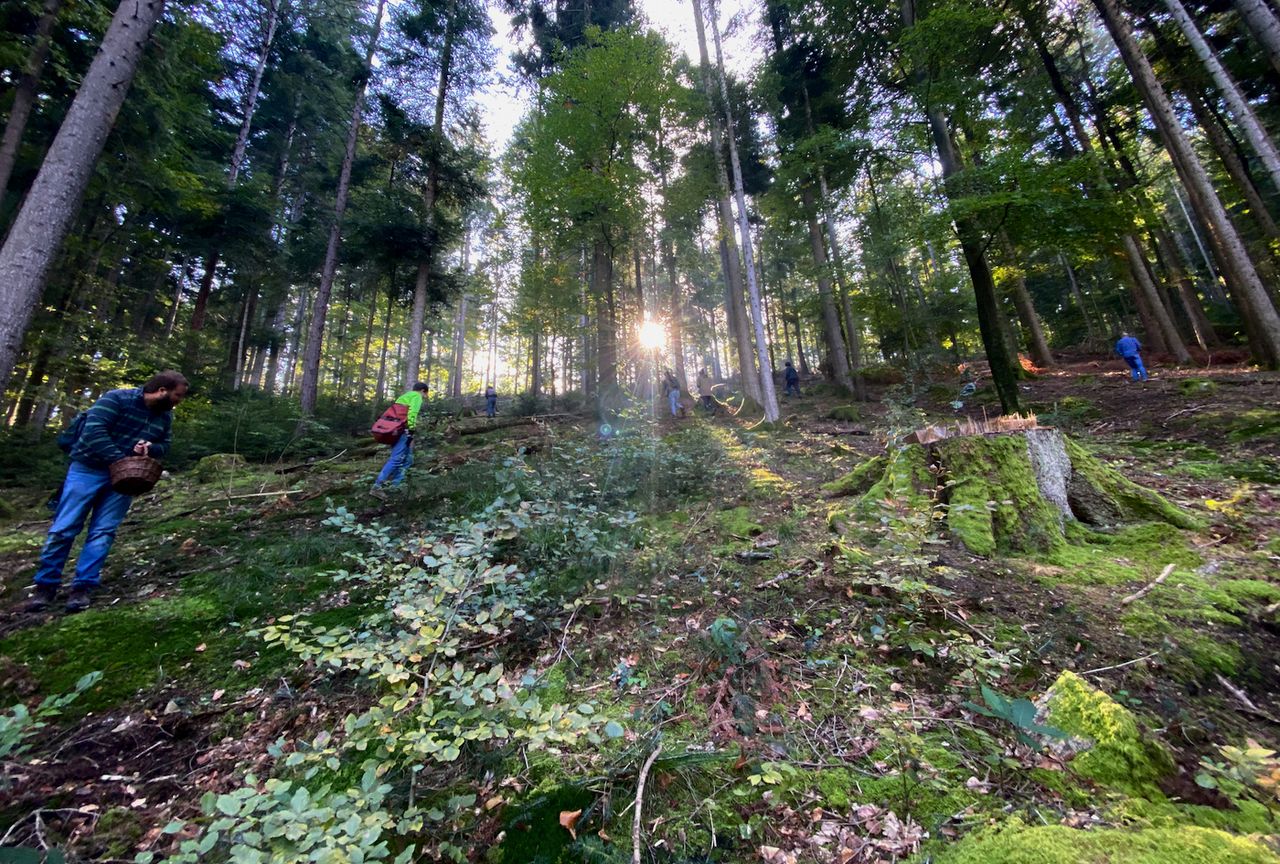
(134, 475)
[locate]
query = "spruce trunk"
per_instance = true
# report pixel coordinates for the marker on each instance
(54, 197)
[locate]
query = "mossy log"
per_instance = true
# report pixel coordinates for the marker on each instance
(1011, 493)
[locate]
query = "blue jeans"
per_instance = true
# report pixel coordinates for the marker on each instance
(793, 386)
(1139, 372)
(398, 462)
(490, 405)
(86, 491)
(673, 396)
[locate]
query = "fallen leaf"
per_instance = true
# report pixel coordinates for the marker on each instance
(200, 648)
(495, 801)
(569, 821)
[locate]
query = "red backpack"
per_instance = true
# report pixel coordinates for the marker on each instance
(388, 428)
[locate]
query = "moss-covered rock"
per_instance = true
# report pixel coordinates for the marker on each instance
(1117, 755)
(848, 413)
(216, 466)
(1017, 843)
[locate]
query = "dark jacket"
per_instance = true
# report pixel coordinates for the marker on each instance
(116, 422)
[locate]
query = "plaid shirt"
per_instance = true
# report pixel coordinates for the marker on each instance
(115, 423)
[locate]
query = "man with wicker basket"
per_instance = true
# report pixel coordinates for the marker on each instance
(122, 425)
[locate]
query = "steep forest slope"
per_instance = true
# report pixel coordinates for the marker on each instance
(552, 647)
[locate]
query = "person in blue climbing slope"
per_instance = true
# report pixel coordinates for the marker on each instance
(671, 389)
(490, 401)
(401, 458)
(792, 378)
(1130, 349)
(131, 422)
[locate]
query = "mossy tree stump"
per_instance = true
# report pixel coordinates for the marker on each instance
(1014, 493)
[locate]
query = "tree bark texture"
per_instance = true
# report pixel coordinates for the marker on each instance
(310, 389)
(1253, 298)
(54, 197)
(24, 95)
(1240, 108)
(769, 398)
(1262, 23)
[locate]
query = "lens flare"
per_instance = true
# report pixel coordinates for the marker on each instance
(652, 335)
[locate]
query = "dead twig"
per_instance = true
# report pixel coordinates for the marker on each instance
(1146, 589)
(1243, 698)
(636, 818)
(1121, 665)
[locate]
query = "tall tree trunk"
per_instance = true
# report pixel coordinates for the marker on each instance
(1200, 325)
(380, 391)
(1037, 344)
(1253, 297)
(535, 364)
(1221, 141)
(320, 306)
(459, 347)
(606, 335)
(769, 398)
(237, 161)
(1261, 20)
(1240, 108)
(24, 95)
(1004, 372)
(54, 197)
(735, 311)
(1090, 335)
(429, 201)
(839, 367)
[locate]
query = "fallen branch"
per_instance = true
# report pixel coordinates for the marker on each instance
(303, 466)
(636, 818)
(781, 577)
(1243, 698)
(1121, 665)
(258, 495)
(1146, 589)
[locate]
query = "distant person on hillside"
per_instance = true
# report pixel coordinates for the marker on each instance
(1131, 350)
(671, 389)
(792, 377)
(401, 458)
(490, 401)
(130, 422)
(704, 390)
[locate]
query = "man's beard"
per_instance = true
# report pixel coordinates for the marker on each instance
(161, 405)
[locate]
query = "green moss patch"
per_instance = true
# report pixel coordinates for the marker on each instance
(995, 504)
(1118, 756)
(1101, 495)
(859, 480)
(1016, 843)
(847, 413)
(738, 522)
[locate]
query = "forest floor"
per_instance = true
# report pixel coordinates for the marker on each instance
(812, 698)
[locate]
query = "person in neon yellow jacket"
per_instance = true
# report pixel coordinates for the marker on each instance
(401, 457)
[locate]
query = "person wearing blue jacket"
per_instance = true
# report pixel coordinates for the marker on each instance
(131, 422)
(1131, 350)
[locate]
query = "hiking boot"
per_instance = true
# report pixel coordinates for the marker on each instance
(78, 601)
(42, 597)
(379, 493)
